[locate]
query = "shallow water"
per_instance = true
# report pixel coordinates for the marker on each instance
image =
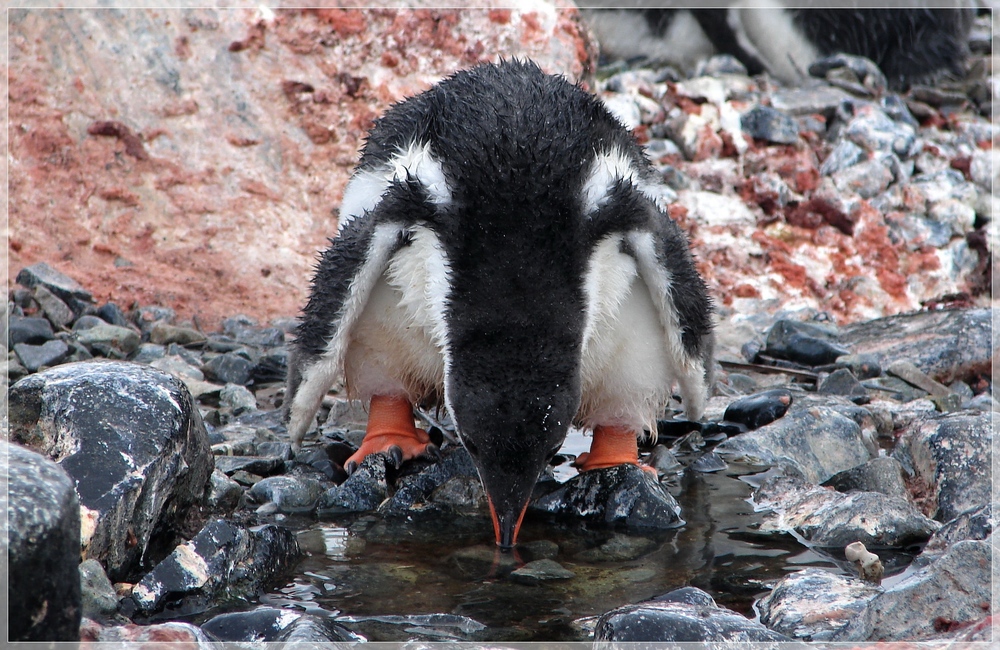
(403, 573)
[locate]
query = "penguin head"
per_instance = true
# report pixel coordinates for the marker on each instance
(512, 422)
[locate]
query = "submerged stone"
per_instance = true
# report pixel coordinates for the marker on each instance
(539, 571)
(272, 625)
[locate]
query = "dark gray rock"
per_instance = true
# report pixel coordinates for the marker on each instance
(147, 316)
(843, 382)
(539, 571)
(275, 449)
(99, 600)
(132, 440)
(149, 352)
(110, 340)
(87, 321)
(708, 462)
(260, 465)
(63, 286)
(42, 548)
(222, 493)
(450, 485)
(246, 332)
(947, 345)
(620, 548)
(237, 400)
(163, 333)
(766, 123)
(30, 330)
(844, 155)
(113, 314)
(58, 312)
(229, 368)
(973, 524)
(222, 561)
(269, 625)
(953, 590)
(759, 409)
(882, 474)
(832, 519)
(817, 442)
(813, 604)
(863, 366)
(803, 343)
(288, 494)
(35, 357)
(364, 490)
(864, 70)
(688, 595)
(679, 622)
(623, 494)
(950, 457)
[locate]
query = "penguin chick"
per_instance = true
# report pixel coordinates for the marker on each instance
(501, 250)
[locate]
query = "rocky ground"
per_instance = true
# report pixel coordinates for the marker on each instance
(844, 231)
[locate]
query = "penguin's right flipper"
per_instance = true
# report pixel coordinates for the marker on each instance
(345, 276)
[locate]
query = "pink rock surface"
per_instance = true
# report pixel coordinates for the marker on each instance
(195, 158)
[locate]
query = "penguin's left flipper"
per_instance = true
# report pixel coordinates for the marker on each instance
(611, 446)
(391, 431)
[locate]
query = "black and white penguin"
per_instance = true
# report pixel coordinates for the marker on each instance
(501, 249)
(911, 44)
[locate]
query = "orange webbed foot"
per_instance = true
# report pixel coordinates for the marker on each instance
(391, 431)
(612, 446)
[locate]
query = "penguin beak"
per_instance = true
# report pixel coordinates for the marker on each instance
(506, 525)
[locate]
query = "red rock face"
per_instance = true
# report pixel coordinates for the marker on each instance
(196, 158)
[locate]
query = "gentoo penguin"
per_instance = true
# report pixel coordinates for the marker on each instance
(501, 249)
(909, 44)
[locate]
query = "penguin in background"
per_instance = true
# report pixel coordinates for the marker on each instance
(910, 44)
(501, 252)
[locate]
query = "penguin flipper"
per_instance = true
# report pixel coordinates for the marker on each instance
(685, 310)
(345, 276)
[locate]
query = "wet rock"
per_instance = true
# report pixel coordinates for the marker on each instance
(274, 448)
(973, 524)
(803, 343)
(766, 123)
(623, 494)
(33, 331)
(41, 546)
(759, 409)
(480, 561)
(620, 548)
(843, 382)
(364, 490)
(952, 590)
(541, 549)
(813, 604)
(58, 313)
(229, 368)
(223, 560)
(539, 571)
(844, 155)
(223, 493)
(110, 340)
(818, 442)
(288, 494)
(98, 598)
(678, 622)
(237, 399)
(35, 357)
(688, 595)
(947, 345)
(450, 485)
(832, 519)
(260, 465)
(174, 634)
(862, 366)
(140, 427)
(882, 474)
(950, 455)
(63, 286)
(164, 333)
(708, 462)
(427, 627)
(270, 625)
(663, 460)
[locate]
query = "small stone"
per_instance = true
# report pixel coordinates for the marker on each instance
(844, 155)
(274, 448)
(875, 131)
(803, 343)
(65, 287)
(261, 465)
(147, 317)
(99, 600)
(766, 123)
(245, 331)
(55, 309)
(149, 352)
(620, 548)
(110, 340)
(30, 330)
(709, 462)
(87, 321)
(806, 101)
(863, 366)
(163, 333)
(755, 411)
(974, 523)
(539, 571)
(843, 382)
(289, 494)
(113, 314)
(222, 494)
(663, 460)
(866, 179)
(882, 474)
(237, 399)
(35, 357)
(229, 368)
(720, 64)
(868, 564)
(364, 490)
(863, 69)
(541, 549)
(177, 367)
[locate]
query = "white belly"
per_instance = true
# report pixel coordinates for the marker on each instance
(626, 369)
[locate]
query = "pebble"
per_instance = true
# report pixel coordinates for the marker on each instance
(539, 571)
(803, 343)
(866, 179)
(260, 465)
(163, 333)
(29, 330)
(237, 399)
(289, 494)
(58, 313)
(806, 101)
(99, 601)
(113, 314)
(620, 548)
(222, 494)
(110, 340)
(36, 357)
(364, 490)
(757, 410)
(843, 382)
(844, 155)
(246, 332)
(176, 366)
(41, 274)
(229, 368)
(973, 524)
(766, 123)
(87, 321)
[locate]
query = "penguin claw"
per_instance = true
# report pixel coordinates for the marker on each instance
(395, 454)
(432, 451)
(350, 467)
